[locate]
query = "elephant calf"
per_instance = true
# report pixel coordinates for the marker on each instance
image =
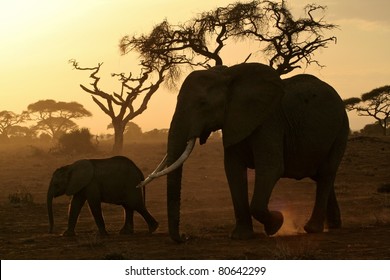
(112, 180)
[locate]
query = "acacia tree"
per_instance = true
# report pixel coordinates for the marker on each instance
(375, 103)
(56, 118)
(197, 42)
(120, 107)
(132, 131)
(289, 41)
(8, 121)
(285, 41)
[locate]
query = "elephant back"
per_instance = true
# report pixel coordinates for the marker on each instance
(315, 117)
(311, 102)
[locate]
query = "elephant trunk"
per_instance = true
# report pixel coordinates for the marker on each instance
(50, 196)
(177, 142)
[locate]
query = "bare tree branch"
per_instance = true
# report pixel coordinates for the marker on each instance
(120, 106)
(288, 42)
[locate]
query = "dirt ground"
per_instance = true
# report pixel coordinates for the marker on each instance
(207, 214)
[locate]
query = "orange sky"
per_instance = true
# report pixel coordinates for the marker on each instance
(37, 38)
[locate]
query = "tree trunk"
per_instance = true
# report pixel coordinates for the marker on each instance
(119, 129)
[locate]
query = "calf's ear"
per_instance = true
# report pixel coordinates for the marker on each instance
(80, 175)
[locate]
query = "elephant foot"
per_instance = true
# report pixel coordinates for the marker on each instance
(69, 233)
(274, 224)
(179, 238)
(152, 227)
(334, 224)
(242, 233)
(314, 227)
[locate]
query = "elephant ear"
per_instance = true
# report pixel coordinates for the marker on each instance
(255, 92)
(80, 175)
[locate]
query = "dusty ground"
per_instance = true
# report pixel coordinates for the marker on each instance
(207, 215)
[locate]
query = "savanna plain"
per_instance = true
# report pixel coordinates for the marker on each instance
(206, 213)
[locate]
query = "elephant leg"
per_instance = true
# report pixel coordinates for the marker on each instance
(265, 181)
(96, 210)
(326, 206)
(267, 147)
(333, 216)
(128, 227)
(74, 211)
(236, 173)
(323, 194)
(152, 223)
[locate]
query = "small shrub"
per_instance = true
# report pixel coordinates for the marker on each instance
(302, 251)
(36, 151)
(21, 197)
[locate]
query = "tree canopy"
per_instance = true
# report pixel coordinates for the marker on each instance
(285, 41)
(375, 103)
(56, 118)
(9, 122)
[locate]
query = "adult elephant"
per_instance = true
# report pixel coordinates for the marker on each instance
(291, 128)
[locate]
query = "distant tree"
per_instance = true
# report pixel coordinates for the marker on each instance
(8, 120)
(373, 129)
(350, 103)
(76, 141)
(121, 107)
(156, 135)
(284, 40)
(56, 118)
(132, 131)
(18, 131)
(375, 103)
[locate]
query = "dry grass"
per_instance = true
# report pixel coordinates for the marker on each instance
(207, 214)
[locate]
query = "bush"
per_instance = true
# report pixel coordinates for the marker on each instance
(21, 197)
(77, 141)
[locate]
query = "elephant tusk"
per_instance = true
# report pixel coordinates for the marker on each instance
(150, 177)
(179, 161)
(161, 165)
(158, 172)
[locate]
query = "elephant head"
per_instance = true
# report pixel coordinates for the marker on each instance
(235, 99)
(69, 180)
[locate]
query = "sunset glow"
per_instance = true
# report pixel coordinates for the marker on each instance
(39, 37)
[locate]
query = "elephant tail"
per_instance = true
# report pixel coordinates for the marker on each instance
(143, 187)
(144, 194)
